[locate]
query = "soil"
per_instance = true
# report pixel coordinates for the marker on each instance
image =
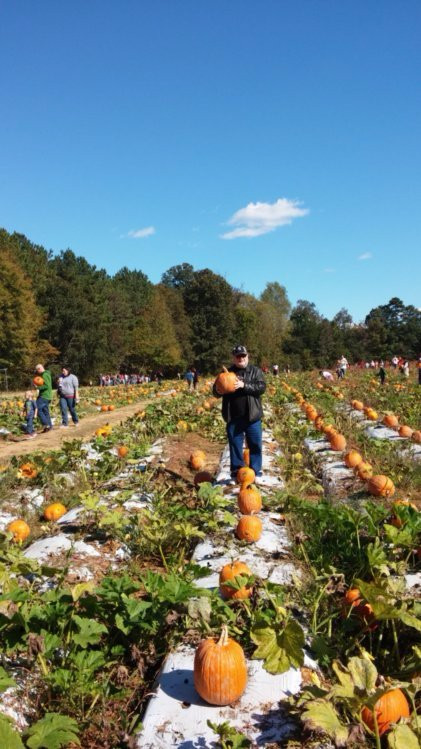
(179, 448)
(55, 438)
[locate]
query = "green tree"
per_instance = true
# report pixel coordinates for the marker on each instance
(178, 276)
(180, 320)
(20, 319)
(273, 321)
(155, 336)
(209, 303)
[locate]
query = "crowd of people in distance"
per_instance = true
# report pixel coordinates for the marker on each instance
(128, 379)
(396, 363)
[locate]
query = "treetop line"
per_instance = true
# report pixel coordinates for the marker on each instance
(59, 308)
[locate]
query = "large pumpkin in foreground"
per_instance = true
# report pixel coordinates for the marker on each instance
(225, 382)
(220, 670)
(389, 708)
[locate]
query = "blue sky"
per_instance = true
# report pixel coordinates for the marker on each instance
(266, 140)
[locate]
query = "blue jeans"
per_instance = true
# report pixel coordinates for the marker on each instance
(43, 406)
(65, 405)
(253, 432)
(29, 428)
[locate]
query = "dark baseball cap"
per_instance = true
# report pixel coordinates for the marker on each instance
(239, 351)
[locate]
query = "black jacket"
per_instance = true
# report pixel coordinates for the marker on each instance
(254, 387)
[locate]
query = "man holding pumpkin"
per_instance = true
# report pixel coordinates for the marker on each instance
(240, 389)
(45, 394)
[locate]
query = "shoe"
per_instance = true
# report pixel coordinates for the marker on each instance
(63, 426)
(31, 436)
(75, 425)
(47, 429)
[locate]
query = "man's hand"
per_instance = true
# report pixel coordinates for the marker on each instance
(239, 384)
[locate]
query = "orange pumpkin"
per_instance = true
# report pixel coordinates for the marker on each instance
(38, 381)
(329, 429)
(390, 420)
(104, 408)
(249, 528)
(357, 405)
(122, 451)
(55, 511)
(381, 486)
(388, 709)
(20, 530)
(245, 475)
(220, 670)
(405, 431)
(202, 477)
(364, 470)
(225, 382)
(197, 460)
(353, 458)
(249, 500)
(416, 435)
(230, 572)
(337, 442)
(319, 423)
(27, 471)
(111, 408)
(371, 414)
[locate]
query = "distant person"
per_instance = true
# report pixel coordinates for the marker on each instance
(343, 365)
(45, 394)
(195, 378)
(68, 391)
(405, 368)
(326, 374)
(275, 370)
(381, 374)
(30, 412)
(395, 362)
(189, 377)
(419, 370)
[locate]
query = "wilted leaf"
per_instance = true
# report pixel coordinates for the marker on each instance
(53, 731)
(363, 673)
(200, 608)
(321, 715)
(280, 648)
(402, 737)
(81, 588)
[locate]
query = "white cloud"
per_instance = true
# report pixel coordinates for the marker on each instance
(260, 218)
(140, 233)
(365, 256)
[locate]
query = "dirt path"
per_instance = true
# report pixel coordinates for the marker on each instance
(55, 438)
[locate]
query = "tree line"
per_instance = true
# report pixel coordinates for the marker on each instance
(60, 308)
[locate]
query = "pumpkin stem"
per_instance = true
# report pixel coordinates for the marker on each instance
(223, 640)
(224, 369)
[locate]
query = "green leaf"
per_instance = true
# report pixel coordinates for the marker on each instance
(53, 731)
(402, 737)
(280, 647)
(410, 620)
(363, 673)
(346, 686)
(321, 715)
(89, 633)
(379, 598)
(8, 736)
(5, 681)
